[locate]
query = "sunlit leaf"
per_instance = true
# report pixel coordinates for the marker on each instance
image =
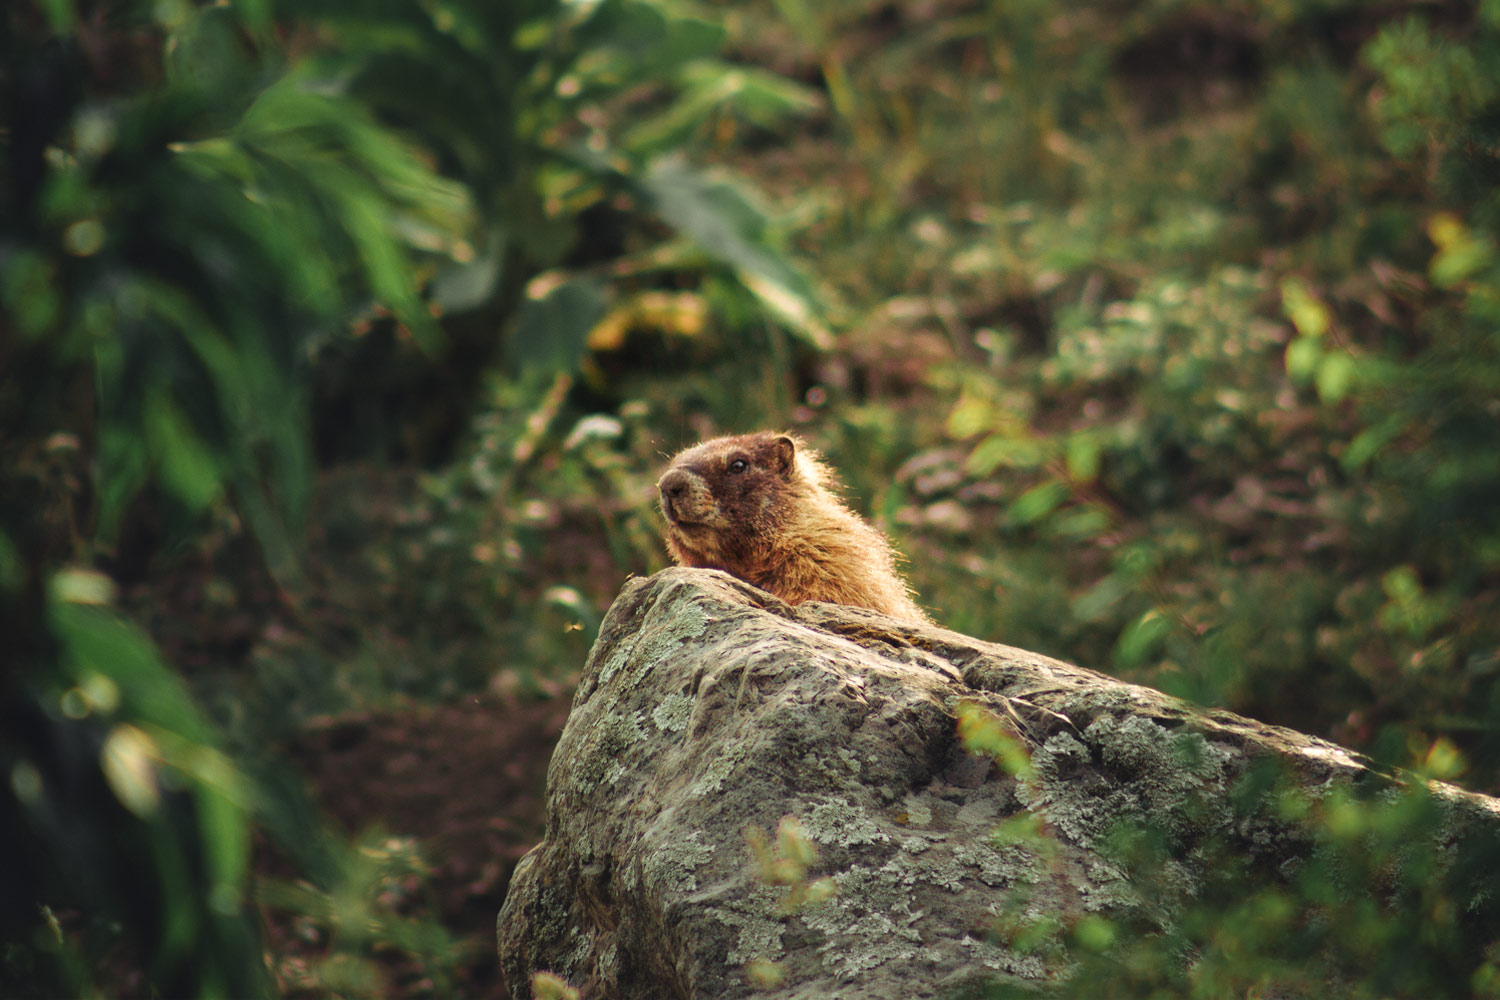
(1309, 315)
(721, 220)
(1095, 933)
(1335, 375)
(128, 760)
(1444, 760)
(82, 586)
(984, 732)
(1302, 356)
(549, 986)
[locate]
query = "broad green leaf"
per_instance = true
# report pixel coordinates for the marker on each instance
(1004, 451)
(96, 641)
(1307, 313)
(1037, 502)
(1094, 603)
(1369, 442)
(552, 330)
(1082, 454)
(1086, 521)
(1302, 356)
(721, 220)
(1095, 933)
(1141, 639)
(971, 415)
(1336, 373)
(1461, 260)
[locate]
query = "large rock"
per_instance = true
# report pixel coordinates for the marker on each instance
(709, 707)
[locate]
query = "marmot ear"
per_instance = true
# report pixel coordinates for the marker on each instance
(783, 456)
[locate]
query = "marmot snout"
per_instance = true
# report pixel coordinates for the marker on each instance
(761, 506)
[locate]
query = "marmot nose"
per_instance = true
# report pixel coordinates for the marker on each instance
(673, 485)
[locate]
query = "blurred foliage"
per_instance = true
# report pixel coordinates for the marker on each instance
(228, 230)
(125, 826)
(1353, 889)
(1210, 295)
(346, 340)
(1206, 296)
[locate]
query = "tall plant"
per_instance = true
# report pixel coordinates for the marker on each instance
(198, 201)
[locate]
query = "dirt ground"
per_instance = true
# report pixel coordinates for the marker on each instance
(465, 782)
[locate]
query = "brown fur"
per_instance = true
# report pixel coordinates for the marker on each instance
(775, 522)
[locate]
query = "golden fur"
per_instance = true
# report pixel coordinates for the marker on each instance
(761, 506)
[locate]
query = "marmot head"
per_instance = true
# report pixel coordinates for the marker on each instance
(722, 498)
(762, 507)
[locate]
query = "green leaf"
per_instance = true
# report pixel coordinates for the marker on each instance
(1037, 502)
(1095, 933)
(187, 467)
(761, 97)
(628, 42)
(82, 586)
(122, 469)
(1402, 585)
(61, 15)
(1460, 260)
(721, 220)
(1307, 313)
(1369, 442)
(1302, 356)
(96, 641)
(1336, 373)
(29, 289)
(1004, 451)
(128, 760)
(1083, 454)
(204, 52)
(1082, 522)
(552, 330)
(1141, 639)
(1093, 604)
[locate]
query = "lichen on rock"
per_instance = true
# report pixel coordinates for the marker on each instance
(708, 707)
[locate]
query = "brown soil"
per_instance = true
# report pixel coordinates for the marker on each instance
(463, 781)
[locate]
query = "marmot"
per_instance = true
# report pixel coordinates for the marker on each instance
(761, 506)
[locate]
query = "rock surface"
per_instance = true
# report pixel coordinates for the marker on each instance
(708, 707)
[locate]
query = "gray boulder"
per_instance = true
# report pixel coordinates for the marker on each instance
(709, 711)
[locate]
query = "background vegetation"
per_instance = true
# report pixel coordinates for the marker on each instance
(340, 344)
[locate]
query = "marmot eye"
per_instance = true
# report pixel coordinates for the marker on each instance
(738, 465)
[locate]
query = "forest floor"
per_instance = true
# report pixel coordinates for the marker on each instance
(464, 781)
